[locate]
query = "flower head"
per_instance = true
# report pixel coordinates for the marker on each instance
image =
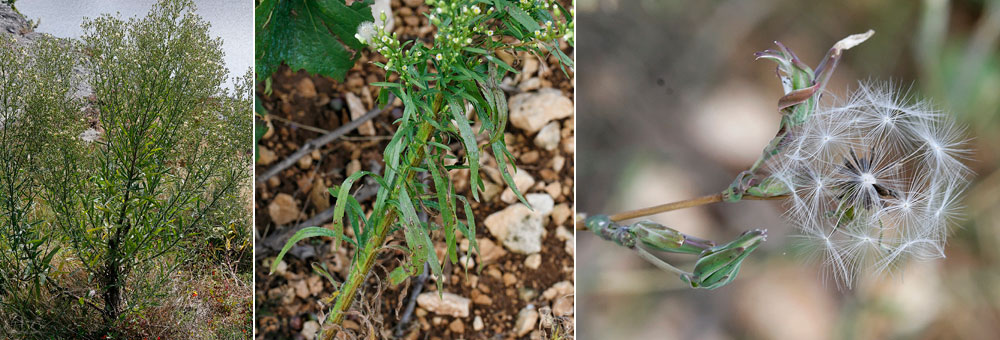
(873, 181)
(366, 31)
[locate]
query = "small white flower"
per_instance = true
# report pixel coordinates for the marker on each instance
(439, 57)
(476, 10)
(468, 41)
(489, 33)
(366, 31)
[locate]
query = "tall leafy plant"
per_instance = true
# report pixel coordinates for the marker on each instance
(175, 148)
(37, 112)
(461, 68)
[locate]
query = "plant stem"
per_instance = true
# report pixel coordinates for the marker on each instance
(656, 261)
(688, 203)
(366, 256)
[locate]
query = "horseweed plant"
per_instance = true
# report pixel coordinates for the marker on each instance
(174, 148)
(438, 83)
(870, 182)
(36, 100)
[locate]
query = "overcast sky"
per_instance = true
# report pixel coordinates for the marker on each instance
(232, 20)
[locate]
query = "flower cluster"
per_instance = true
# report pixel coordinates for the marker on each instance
(873, 181)
(462, 25)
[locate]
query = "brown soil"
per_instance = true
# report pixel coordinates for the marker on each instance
(287, 300)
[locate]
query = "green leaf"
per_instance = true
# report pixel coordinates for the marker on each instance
(442, 187)
(520, 15)
(469, 230)
(496, 98)
(318, 268)
(417, 238)
(314, 35)
(499, 62)
(341, 204)
(500, 153)
(398, 275)
(300, 235)
(469, 140)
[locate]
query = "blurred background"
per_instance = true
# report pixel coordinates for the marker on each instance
(673, 106)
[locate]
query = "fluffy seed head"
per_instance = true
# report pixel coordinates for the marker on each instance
(874, 181)
(366, 31)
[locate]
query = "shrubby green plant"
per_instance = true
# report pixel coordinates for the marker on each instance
(169, 171)
(461, 67)
(37, 114)
(174, 148)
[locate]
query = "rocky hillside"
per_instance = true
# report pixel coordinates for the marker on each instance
(14, 25)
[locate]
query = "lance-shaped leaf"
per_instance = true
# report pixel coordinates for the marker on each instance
(501, 155)
(341, 205)
(301, 235)
(469, 140)
(446, 205)
(421, 246)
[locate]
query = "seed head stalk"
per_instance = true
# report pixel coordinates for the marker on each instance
(677, 205)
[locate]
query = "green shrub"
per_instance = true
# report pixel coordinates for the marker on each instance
(37, 113)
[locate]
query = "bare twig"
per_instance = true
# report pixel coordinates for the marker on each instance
(274, 242)
(299, 125)
(321, 141)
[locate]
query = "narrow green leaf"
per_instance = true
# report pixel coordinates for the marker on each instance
(398, 275)
(500, 63)
(469, 230)
(469, 140)
(495, 97)
(521, 16)
(500, 153)
(417, 235)
(442, 187)
(300, 235)
(341, 204)
(322, 272)
(386, 84)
